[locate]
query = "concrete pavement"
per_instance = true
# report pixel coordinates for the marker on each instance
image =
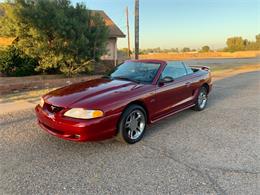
(215, 151)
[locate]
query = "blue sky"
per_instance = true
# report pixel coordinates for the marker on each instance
(184, 23)
(180, 23)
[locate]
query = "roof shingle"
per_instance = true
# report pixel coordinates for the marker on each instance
(114, 30)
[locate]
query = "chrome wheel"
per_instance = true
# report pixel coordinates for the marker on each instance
(135, 124)
(202, 98)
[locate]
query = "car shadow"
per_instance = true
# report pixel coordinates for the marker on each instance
(222, 89)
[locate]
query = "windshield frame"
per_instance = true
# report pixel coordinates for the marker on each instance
(161, 65)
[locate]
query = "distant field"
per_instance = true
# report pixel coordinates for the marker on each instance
(5, 41)
(216, 64)
(196, 55)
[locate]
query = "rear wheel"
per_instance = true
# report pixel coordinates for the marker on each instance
(132, 125)
(201, 100)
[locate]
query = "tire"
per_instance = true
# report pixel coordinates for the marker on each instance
(132, 125)
(201, 100)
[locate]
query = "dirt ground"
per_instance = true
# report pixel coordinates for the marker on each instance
(197, 55)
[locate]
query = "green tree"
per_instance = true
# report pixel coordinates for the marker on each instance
(186, 49)
(205, 48)
(257, 37)
(235, 44)
(240, 44)
(60, 35)
(8, 23)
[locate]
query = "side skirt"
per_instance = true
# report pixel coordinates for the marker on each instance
(172, 113)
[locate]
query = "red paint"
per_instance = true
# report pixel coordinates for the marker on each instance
(112, 97)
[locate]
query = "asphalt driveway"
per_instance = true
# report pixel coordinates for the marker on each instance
(215, 151)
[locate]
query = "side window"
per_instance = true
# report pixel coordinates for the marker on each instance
(174, 70)
(189, 70)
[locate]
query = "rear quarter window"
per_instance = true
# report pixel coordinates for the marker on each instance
(174, 69)
(189, 69)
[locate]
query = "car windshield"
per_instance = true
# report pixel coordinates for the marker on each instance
(135, 71)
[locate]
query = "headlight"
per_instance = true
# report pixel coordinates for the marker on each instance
(41, 102)
(81, 113)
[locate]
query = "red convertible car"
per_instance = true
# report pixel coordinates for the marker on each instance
(135, 94)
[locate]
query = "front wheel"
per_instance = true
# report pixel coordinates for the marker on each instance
(132, 125)
(202, 99)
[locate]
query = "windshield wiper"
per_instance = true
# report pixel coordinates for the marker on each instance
(127, 79)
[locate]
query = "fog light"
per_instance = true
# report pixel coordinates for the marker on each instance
(77, 136)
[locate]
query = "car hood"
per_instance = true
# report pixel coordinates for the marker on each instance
(94, 89)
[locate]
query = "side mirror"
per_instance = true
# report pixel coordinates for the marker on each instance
(166, 80)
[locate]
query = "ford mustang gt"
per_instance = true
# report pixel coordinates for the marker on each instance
(121, 104)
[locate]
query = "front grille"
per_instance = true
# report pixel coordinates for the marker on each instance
(52, 109)
(51, 129)
(60, 133)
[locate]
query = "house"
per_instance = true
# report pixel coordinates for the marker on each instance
(114, 34)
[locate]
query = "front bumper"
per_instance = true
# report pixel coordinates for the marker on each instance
(77, 129)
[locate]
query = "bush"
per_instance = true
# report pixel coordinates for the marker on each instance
(205, 48)
(72, 69)
(14, 63)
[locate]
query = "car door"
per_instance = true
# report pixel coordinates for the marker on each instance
(190, 83)
(172, 96)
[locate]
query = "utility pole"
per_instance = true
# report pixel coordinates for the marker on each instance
(136, 29)
(128, 33)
